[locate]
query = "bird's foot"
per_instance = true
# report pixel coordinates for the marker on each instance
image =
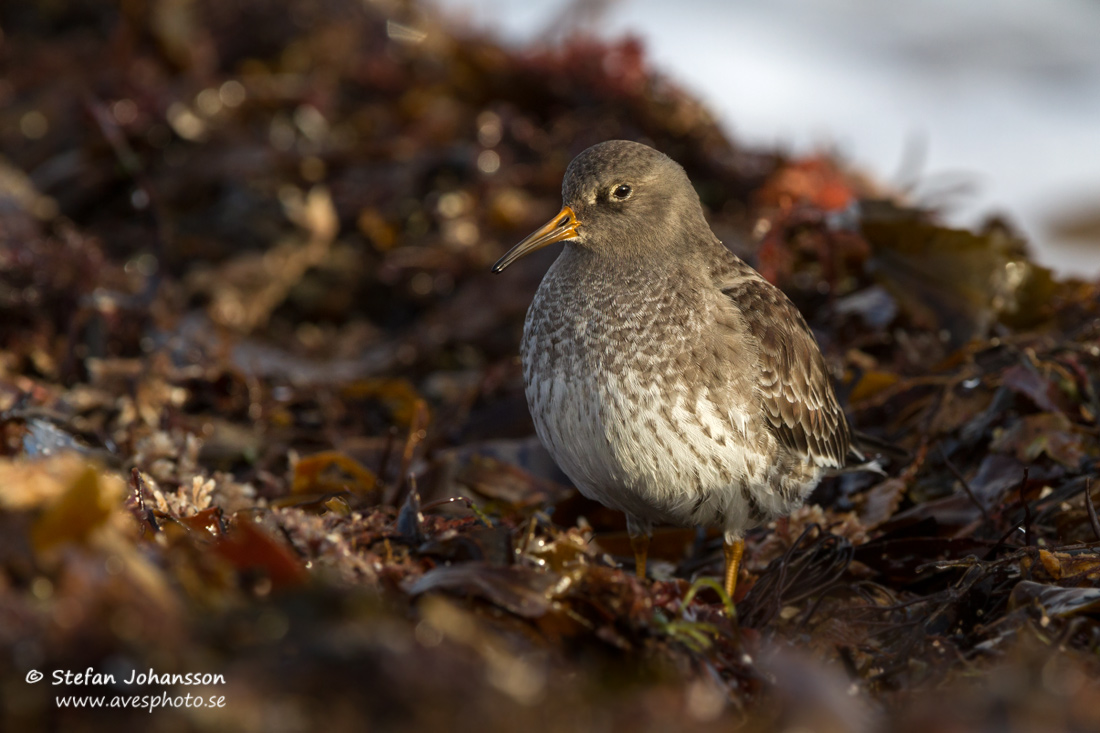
(640, 545)
(733, 550)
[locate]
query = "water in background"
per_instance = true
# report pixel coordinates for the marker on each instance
(987, 106)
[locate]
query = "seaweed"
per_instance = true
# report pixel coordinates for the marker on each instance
(261, 415)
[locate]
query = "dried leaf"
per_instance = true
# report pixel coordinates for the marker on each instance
(1028, 382)
(250, 549)
(1055, 601)
(83, 508)
(881, 501)
(331, 471)
(1049, 433)
(524, 591)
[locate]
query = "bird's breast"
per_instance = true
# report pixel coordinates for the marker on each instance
(615, 392)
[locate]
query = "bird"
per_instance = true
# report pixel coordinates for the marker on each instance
(666, 377)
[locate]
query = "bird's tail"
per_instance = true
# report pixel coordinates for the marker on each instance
(868, 453)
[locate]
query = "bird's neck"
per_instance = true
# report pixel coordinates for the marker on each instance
(639, 257)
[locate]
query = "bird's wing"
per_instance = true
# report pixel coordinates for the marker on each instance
(792, 380)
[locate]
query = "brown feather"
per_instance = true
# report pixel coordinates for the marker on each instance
(793, 385)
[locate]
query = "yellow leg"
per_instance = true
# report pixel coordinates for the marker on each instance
(733, 552)
(640, 545)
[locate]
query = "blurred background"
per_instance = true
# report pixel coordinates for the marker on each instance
(976, 108)
(251, 352)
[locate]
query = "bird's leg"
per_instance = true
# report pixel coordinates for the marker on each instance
(639, 531)
(733, 549)
(640, 545)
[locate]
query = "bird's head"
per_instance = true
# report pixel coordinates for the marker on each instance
(623, 197)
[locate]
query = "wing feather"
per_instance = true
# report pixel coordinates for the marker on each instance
(792, 382)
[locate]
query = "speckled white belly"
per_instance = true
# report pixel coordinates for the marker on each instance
(652, 452)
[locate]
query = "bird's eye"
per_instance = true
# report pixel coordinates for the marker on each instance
(622, 191)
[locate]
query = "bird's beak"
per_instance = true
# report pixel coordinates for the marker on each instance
(559, 229)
